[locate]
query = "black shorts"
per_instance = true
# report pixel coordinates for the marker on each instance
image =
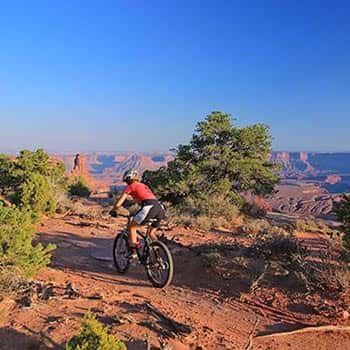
(151, 210)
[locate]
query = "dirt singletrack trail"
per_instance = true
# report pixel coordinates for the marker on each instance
(200, 310)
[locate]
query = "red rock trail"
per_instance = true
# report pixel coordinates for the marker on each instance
(205, 310)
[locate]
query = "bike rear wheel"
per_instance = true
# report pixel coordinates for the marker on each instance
(160, 265)
(121, 253)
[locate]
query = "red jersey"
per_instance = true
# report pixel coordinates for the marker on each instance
(139, 192)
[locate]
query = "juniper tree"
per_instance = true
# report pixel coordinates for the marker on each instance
(17, 251)
(32, 180)
(221, 160)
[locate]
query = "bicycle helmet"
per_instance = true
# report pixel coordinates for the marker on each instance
(131, 175)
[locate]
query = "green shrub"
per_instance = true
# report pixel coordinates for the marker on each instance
(342, 210)
(262, 227)
(93, 335)
(221, 161)
(199, 222)
(254, 210)
(204, 214)
(32, 180)
(79, 188)
(311, 225)
(17, 251)
(215, 207)
(36, 194)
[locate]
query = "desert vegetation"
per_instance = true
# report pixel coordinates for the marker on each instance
(342, 209)
(205, 185)
(31, 185)
(233, 247)
(32, 181)
(19, 258)
(257, 228)
(207, 178)
(78, 187)
(93, 335)
(273, 256)
(324, 271)
(312, 225)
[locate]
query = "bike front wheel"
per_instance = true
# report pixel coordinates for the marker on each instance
(121, 253)
(160, 265)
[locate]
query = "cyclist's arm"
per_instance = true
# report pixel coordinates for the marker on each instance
(120, 201)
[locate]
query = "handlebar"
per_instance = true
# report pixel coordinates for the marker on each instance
(115, 214)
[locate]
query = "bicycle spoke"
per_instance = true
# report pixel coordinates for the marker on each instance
(159, 269)
(121, 254)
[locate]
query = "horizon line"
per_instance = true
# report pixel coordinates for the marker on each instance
(70, 152)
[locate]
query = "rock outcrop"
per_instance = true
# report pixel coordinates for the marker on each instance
(102, 170)
(81, 169)
(294, 164)
(303, 199)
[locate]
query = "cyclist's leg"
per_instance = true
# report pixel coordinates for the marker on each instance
(137, 223)
(133, 227)
(157, 214)
(152, 232)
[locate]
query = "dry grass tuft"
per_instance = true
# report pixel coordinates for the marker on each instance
(262, 227)
(10, 281)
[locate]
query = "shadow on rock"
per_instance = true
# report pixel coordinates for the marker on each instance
(12, 339)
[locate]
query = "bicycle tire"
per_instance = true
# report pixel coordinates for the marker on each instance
(121, 239)
(154, 248)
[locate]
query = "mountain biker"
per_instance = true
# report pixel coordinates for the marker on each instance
(151, 209)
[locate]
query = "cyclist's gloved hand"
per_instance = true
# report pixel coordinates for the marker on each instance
(119, 211)
(113, 213)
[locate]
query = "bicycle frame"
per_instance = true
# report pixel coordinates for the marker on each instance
(154, 255)
(145, 236)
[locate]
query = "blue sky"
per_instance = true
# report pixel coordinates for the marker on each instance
(138, 75)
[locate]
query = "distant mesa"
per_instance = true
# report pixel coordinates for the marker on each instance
(295, 164)
(104, 170)
(281, 158)
(311, 182)
(320, 163)
(110, 168)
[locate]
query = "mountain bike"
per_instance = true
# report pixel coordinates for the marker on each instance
(155, 256)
